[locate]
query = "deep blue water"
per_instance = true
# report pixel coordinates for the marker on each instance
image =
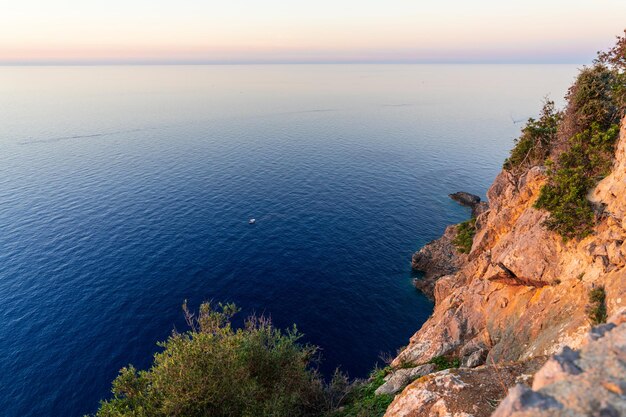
(125, 190)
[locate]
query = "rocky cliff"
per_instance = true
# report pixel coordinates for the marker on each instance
(521, 294)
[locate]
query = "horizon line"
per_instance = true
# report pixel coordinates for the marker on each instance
(285, 62)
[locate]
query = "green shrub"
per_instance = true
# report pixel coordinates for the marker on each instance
(565, 197)
(596, 311)
(577, 145)
(588, 158)
(443, 362)
(465, 236)
(258, 370)
(616, 58)
(584, 150)
(362, 401)
(591, 99)
(534, 144)
(216, 370)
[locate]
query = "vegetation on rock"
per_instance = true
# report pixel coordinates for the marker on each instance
(216, 370)
(443, 362)
(579, 168)
(465, 236)
(533, 146)
(596, 311)
(578, 144)
(362, 400)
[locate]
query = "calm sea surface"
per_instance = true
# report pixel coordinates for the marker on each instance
(125, 190)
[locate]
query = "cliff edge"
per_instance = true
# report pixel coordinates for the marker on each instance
(523, 292)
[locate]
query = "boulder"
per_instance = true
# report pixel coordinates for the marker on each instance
(465, 199)
(400, 378)
(470, 200)
(586, 383)
(460, 392)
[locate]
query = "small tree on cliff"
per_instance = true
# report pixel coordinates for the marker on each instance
(216, 370)
(534, 144)
(577, 145)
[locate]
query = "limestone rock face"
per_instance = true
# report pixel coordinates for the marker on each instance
(400, 378)
(591, 382)
(436, 259)
(588, 382)
(611, 191)
(460, 392)
(522, 291)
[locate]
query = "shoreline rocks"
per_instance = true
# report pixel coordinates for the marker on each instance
(470, 200)
(436, 259)
(522, 295)
(440, 257)
(465, 199)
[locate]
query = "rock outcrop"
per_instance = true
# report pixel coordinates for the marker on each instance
(461, 392)
(591, 382)
(400, 378)
(436, 259)
(470, 200)
(440, 257)
(466, 199)
(522, 292)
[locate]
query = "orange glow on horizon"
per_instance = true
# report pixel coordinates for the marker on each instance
(71, 30)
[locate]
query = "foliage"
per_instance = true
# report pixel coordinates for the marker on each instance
(588, 158)
(465, 236)
(590, 99)
(216, 370)
(596, 311)
(442, 362)
(258, 370)
(533, 146)
(584, 149)
(616, 59)
(362, 401)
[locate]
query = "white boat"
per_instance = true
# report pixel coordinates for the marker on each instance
(251, 221)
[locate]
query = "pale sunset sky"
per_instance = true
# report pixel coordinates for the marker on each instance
(257, 31)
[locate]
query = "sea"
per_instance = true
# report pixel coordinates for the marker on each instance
(126, 190)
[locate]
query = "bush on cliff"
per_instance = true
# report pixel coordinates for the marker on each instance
(362, 401)
(596, 310)
(584, 153)
(443, 362)
(535, 142)
(578, 144)
(588, 159)
(216, 370)
(465, 236)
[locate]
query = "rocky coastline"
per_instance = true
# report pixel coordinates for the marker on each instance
(512, 310)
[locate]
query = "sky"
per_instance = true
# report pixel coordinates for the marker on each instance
(295, 31)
